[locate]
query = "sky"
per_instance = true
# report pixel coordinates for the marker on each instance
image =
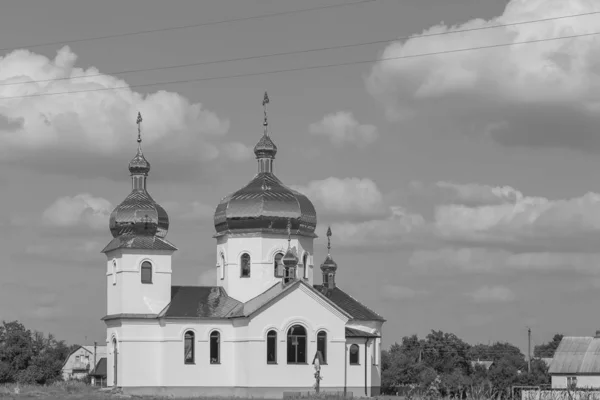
(461, 188)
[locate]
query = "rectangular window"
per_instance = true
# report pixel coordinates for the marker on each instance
(189, 348)
(322, 345)
(146, 272)
(215, 357)
(354, 354)
(571, 382)
(272, 348)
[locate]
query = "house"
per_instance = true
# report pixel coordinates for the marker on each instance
(576, 363)
(98, 374)
(80, 361)
(485, 363)
(256, 332)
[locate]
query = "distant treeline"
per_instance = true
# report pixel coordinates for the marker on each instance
(444, 365)
(30, 357)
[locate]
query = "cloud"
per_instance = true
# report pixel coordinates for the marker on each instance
(207, 278)
(199, 212)
(237, 151)
(347, 196)
(492, 294)
(342, 128)
(398, 292)
(79, 210)
(542, 94)
(95, 125)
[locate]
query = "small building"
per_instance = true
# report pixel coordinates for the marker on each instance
(484, 363)
(81, 360)
(98, 374)
(576, 363)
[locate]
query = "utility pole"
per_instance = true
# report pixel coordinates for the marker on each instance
(528, 350)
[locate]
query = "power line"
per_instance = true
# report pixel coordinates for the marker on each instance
(118, 35)
(302, 68)
(297, 51)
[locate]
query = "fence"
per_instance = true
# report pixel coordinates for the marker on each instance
(561, 394)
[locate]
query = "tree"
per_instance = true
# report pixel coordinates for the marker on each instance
(547, 350)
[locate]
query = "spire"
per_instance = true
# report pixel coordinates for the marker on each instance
(329, 266)
(139, 166)
(265, 149)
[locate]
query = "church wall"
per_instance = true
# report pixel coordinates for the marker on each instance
(262, 250)
(306, 308)
(374, 350)
(129, 295)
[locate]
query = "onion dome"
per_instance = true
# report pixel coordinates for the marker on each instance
(329, 265)
(139, 214)
(265, 204)
(265, 148)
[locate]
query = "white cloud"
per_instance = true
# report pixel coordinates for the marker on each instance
(207, 278)
(345, 196)
(541, 94)
(342, 128)
(398, 292)
(95, 123)
(237, 151)
(492, 294)
(79, 210)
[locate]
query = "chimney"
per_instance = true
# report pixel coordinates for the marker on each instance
(597, 334)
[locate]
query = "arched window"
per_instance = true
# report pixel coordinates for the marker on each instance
(277, 265)
(322, 345)
(245, 265)
(146, 272)
(354, 354)
(296, 345)
(222, 266)
(305, 263)
(272, 347)
(114, 272)
(188, 348)
(215, 347)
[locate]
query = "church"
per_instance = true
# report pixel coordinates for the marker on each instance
(265, 328)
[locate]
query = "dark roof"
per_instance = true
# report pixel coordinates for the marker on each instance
(129, 316)
(357, 333)
(199, 302)
(138, 242)
(100, 369)
(576, 355)
(347, 303)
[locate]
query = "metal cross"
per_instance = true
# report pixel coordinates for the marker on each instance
(265, 102)
(139, 123)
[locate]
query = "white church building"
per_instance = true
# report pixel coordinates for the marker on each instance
(258, 331)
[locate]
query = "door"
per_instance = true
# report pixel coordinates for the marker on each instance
(115, 362)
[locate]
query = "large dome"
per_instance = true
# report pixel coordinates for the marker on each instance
(139, 215)
(265, 205)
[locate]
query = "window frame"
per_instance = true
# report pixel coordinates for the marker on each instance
(146, 264)
(217, 335)
(242, 275)
(276, 273)
(272, 335)
(189, 335)
(357, 361)
(324, 351)
(114, 271)
(289, 342)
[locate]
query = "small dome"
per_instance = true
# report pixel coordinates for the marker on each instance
(139, 164)
(265, 205)
(329, 265)
(265, 148)
(140, 215)
(290, 259)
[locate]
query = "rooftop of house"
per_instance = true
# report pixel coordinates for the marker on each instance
(577, 355)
